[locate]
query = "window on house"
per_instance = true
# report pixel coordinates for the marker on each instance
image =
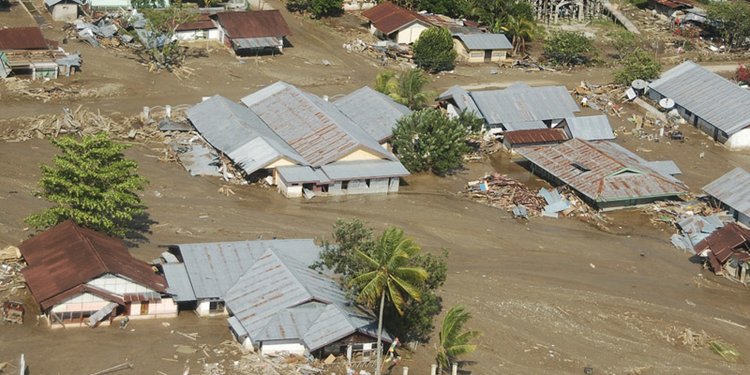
(216, 306)
(344, 185)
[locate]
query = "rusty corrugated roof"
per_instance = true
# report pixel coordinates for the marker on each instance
(67, 255)
(603, 171)
(388, 17)
(253, 24)
(202, 22)
(729, 241)
(22, 38)
(535, 136)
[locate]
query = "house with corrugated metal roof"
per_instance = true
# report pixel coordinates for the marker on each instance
(533, 137)
(517, 107)
(481, 47)
(80, 277)
(726, 251)
(589, 128)
(392, 22)
(274, 301)
(253, 32)
(303, 143)
(25, 51)
(201, 28)
(604, 174)
(732, 191)
(708, 101)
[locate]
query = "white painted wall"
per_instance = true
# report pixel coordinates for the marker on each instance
(117, 285)
(211, 34)
(289, 191)
(739, 141)
(204, 309)
(272, 348)
(166, 308)
(64, 12)
(410, 34)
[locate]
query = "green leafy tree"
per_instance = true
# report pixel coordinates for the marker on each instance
(91, 182)
(450, 8)
(495, 13)
(638, 65)
(433, 51)
(454, 339)
(387, 273)
(733, 21)
(317, 8)
(416, 322)
(569, 48)
(406, 88)
(623, 41)
(520, 30)
(147, 4)
(161, 49)
(428, 140)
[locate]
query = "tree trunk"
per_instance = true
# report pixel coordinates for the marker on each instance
(379, 355)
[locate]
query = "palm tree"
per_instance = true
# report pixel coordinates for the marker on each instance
(520, 29)
(410, 88)
(453, 339)
(386, 273)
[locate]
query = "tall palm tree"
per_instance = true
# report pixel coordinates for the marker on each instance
(387, 274)
(411, 88)
(454, 339)
(520, 29)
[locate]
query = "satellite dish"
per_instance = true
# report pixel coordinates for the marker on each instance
(639, 84)
(666, 103)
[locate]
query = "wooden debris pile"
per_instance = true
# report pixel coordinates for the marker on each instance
(230, 358)
(606, 98)
(670, 212)
(11, 280)
(78, 122)
(53, 91)
(501, 191)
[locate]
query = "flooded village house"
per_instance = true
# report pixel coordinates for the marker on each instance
(304, 144)
(80, 277)
(274, 301)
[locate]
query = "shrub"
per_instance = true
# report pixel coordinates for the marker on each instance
(433, 51)
(568, 48)
(638, 65)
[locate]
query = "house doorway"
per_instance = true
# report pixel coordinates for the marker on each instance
(144, 308)
(487, 55)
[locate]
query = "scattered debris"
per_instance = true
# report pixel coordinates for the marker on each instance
(120, 367)
(725, 350)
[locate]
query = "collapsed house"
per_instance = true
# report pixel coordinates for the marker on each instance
(522, 107)
(481, 47)
(727, 252)
(275, 301)
(392, 22)
(732, 191)
(25, 51)
(253, 32)
(304, 144)
(707, 101)
(605, 175)
(80, 277)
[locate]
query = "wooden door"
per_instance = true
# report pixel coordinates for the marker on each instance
(144, 308)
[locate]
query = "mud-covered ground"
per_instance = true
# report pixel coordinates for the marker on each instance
(550, 296)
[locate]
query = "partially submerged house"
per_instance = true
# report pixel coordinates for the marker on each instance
(64, 10)
(392, 22)
(727, 252)
(275, 301)
(732, 191)
(253, 32)
(304, 143)
(589, 128)
(201, 28)
(25, 51)
(533, 137)
(707, 101)
(518, 107)
(604, 174)
(80, 277)
(481, 47)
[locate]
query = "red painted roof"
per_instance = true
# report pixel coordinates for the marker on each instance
(254, 24)
(730, 241)
(67, 255)
(22, 38)
(203, 22)
(388, 17)
(535, 136)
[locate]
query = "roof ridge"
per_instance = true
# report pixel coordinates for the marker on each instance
(650, 172)
(85, 238)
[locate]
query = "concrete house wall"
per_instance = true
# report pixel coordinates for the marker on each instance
(64, 12)
(187, 35)
(477, 56)
(410, 34)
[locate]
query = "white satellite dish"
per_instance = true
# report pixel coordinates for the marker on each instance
(666, 103)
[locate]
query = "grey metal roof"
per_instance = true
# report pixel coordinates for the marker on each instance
(524, 125)
(461, 98)
(240, 134)
(178, 282)
(375, 112)
(521, 104)
(213, 268)
(720, 102)
(665, 167)
(484, 41)
(281, 298)
(298, 174)
(312, 126)
(255, 43)
(590, 128)
(733, 189)
(348, 170)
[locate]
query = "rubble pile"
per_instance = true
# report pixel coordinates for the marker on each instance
(606, 98)
(52, 91)
(11, 280)
(693, 220)
(77, 122)
(229, 357)
(381, 50)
